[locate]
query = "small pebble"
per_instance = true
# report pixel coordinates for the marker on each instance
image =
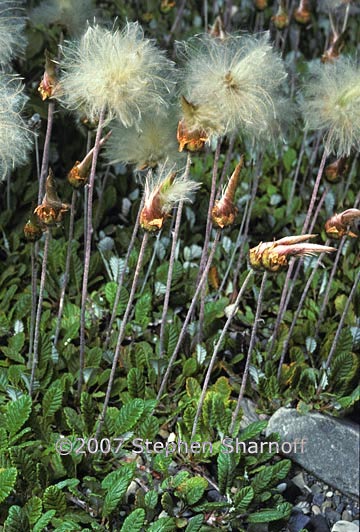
(281, 487)
(329, 494)
(318, 499)
(315, 488)
(325, 505)
(346, 515)
(304, 507)
(344, 526)
(315, 510)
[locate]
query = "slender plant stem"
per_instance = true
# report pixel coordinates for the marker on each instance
(34, 269)
(46, 152)
(188, 315)
(35, 358)
(87, 254)
(67, 267)
(175, 236)
(121, 276)
(250, 350)
(297, 312)
(151, 262)
(314, 193)
(339, 329)
(217, 347)
(346, 17)
(122, 332)
(296, 175)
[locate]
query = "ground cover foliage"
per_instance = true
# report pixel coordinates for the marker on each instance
(88, 483)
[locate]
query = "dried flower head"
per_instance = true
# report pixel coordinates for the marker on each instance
(224, 211)
(332, 103)
(231, 83)
(339, 225)
(49, 82)
(120, 71)
(69, 15)
(80, 172)
(273, 256)
(151, 142)
(281, 18)
(51, 210)
(15, 137)
(333, 51)
(162, 192)
(302, 14)
(336, 170)
(32, 229)
(12, 23)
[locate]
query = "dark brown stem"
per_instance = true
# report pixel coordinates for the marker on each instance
(122, 332)
(35, 358)
(88, 234)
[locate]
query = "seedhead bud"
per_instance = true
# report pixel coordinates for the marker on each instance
(217, 30)
(302, 14)
(261, 4)
(161, 195)
(49, 82)
(338, 225)
(79, 173)
(273, 256)
(166, 6)
(51, 210)
(32, 229)
(224, 211)
(334, 50)
(336, 170)
(192, 139)
(281, 19)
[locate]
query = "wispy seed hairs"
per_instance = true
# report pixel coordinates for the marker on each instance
(12, 23)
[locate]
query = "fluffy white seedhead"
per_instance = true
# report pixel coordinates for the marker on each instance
(117, 70)
(332, 103)
(12, 23)
(151, 142)
(69, 14)
(167, 189)
(234, 83)
(15, 138)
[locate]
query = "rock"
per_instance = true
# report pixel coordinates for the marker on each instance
(315, 510)
(299, 481)
(345, 526)
(318, 499)
(346, 516)
(327, 447)
(297, 520)
(330, 494)
(318, 524)
(249, 413)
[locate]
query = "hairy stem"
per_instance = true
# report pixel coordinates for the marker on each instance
(122, 332)
(250, 350)
(35, 358)
(216, 350)
(88, 234)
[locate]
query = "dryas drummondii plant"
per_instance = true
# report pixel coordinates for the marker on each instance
(119, 71)
(231, 83)
(332, 103)
(15, 138)
(12, 23)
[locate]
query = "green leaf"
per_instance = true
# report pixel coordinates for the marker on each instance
(116, 483)
(134, 522)
(136, 383)
(271, 514)
(151, 499)
(262, 480)
(54, 499)
(7, 482)
(52, 400)
(33, 509)
(194, 524)
(17, 413)
(280, 470)
(14, 348)
(193, 388)
(129, 415)
(226, 465)
(243, 499)
(164, 524)
(192, 489)
(44, 521)
(252, 430)
(16, 520)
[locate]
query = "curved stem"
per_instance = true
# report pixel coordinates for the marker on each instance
(171, 264)
(216, 350)
(67, 268)
(188, 315)
(35, 358)
(122, 332)
(250, 350)
(46, 152)
(339, 329)
(88, 234)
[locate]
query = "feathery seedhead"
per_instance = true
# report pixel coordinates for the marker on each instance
(232, 84)
(332, 103)
(12, 23)
(15, 137)
(161, 194)
(69, 15)
(281, 18)
(224, 211)
(302, 14)
(120, 71)
(334, 50)
(150, 143)
(273, 256)
(338, 225)
(32, 229)
(49, 81)
(51, 210)
(79, 173)
(188, 135)
(336, 170)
